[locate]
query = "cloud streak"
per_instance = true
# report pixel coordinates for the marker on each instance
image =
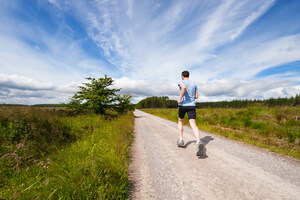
(138, 45)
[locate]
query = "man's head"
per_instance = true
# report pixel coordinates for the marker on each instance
(185, 75)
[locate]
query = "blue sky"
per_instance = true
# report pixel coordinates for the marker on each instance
(233, 49)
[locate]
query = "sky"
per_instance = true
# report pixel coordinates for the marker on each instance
(233, 49)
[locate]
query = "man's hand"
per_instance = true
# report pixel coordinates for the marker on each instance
(179, 101)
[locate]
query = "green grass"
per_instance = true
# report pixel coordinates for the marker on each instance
(93, 165)
(274, 128)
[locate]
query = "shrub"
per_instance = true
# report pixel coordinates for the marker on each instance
(259, 125)
(292, 135)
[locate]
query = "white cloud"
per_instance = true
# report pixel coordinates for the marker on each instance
(55, 3)
(239, 89)
(213, 24)
(20, 89)
(129, 11)
(146, 87)
(23, 83)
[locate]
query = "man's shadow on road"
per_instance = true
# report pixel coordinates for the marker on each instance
(204, 141)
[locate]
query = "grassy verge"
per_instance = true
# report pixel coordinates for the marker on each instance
(92, 165)
(275, 129)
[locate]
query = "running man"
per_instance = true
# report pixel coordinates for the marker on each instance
(187, 104)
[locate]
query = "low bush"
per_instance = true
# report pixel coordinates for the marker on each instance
(26, 134)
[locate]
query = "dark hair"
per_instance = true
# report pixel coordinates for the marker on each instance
(185, 74)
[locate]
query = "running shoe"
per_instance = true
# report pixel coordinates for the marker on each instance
(200, 148)
(180, 142)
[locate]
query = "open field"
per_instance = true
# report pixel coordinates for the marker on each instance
(46, 156)
(229, 170)
(276, 129)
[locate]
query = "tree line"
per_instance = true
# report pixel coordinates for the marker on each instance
(48, 105)
(165, 102)
(157, 102)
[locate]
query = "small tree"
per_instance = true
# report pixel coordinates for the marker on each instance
(97, 97)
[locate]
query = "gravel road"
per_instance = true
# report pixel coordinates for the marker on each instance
(229, 170)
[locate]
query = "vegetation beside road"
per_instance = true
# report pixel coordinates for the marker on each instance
(47, 156)
(273, 128)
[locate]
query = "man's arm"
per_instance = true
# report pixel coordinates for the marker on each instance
(183, 89)
(196, 95)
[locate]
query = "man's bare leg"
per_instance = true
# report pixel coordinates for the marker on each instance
(195, 129)
(180, 141)
(200, 145)
(180, 128)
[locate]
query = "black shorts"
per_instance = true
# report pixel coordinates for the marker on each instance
(190, 110)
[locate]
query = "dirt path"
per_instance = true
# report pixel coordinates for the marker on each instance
(230, 169)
